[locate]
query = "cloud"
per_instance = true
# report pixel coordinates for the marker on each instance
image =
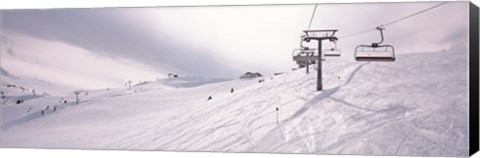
(225, 41)
(430, 31)
(107, 33)
(80, 68)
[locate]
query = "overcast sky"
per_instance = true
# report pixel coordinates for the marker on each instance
(97, 47)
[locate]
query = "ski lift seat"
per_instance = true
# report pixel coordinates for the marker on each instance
(332, 52)
(375, 53)
(370, 58)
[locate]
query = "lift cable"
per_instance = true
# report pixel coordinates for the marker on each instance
(420, 12)
(311, 19)
(395, 21)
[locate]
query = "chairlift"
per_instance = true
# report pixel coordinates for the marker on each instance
(332, 52)
(303, 51)
(304, 56)
(375, 51)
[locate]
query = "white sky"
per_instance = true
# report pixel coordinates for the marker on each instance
(110, 46)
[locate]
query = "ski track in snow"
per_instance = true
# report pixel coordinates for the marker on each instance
(365, 108)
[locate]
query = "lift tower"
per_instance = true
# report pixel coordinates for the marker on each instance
(319, 36)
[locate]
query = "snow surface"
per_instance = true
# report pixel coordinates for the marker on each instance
(417, 105)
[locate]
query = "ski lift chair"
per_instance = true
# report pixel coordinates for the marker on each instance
(375, 51)
(305, 51)
(332, 52)
(304, 56)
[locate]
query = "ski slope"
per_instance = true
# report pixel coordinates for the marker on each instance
(417, 105)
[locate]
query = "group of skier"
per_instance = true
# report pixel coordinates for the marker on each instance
(44, 110)
(54, 109)
(210, 97)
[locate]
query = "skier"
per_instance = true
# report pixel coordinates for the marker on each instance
(54, 108)
(43, 113)
(209, 98)
(231, 91)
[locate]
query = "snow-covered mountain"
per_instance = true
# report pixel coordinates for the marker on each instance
(68, 65)
(417, 105)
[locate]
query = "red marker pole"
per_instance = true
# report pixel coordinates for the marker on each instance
(278, 123)
(338, 77)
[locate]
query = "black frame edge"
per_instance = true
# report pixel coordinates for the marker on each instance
(474, 79)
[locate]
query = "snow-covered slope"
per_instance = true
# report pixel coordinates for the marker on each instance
(417, 105)
(187, 81)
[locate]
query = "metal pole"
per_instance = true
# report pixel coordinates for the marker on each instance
(76, 96)
(308, 64)
(319, 68)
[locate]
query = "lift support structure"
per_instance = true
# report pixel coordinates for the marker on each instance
(319, 36)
